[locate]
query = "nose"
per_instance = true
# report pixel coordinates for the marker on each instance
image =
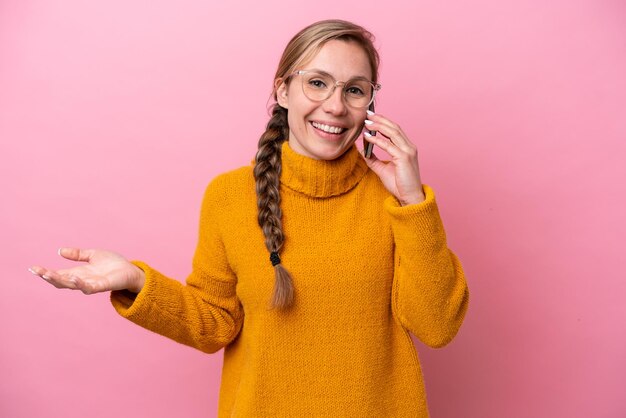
(335, 103)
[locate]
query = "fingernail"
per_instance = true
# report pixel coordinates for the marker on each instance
(369, 112)
(59, 251)
(32, 271)
(46, 277)
(367, 134)
(368, 122)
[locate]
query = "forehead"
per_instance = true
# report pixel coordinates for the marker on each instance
(341, 59)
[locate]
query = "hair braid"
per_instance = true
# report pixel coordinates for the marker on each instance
(267, 175)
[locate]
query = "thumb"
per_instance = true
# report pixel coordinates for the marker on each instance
(75, 254)
(375, 164)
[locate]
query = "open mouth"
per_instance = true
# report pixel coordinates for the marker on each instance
(329, 129)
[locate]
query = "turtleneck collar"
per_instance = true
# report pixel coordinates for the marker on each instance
(321, 178)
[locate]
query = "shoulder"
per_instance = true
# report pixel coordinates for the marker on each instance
(234, 183)
(238, 177)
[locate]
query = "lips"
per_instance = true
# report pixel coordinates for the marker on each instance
(328, 128)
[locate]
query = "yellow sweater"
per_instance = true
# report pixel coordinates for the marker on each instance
(366, 271)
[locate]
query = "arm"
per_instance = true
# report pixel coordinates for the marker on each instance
(430, 295)
(205, 313)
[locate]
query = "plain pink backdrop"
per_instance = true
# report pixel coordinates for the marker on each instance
(115, 115)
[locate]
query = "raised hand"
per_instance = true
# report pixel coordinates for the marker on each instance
(401, 175)
(104, 271)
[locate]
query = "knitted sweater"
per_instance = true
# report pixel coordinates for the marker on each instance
(366, 271)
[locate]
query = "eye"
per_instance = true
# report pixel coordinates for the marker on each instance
(355, 91)
(317, 83)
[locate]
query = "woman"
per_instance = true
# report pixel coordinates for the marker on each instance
(357, 254)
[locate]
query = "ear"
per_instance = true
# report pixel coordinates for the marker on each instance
(281, 93)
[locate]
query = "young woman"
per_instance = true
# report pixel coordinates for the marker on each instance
(312, 264)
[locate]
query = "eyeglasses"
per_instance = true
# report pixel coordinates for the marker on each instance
(318, 86)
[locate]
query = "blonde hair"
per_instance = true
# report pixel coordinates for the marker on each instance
(301, 48)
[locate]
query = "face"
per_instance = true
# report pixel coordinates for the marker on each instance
(325, 130)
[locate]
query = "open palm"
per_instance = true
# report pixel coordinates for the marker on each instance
(104, 271)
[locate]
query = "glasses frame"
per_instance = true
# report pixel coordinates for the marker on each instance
(375, 86)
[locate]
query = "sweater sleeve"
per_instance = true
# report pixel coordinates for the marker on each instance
(205, 313)
(430, 294)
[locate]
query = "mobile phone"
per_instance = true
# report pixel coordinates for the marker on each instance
(368, 146)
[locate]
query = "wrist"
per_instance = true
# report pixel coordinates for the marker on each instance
(139, 280)
(412, 200)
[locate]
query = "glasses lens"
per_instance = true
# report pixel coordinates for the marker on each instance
(358, 92)
(317, 86)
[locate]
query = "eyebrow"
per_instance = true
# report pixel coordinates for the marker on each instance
(358, 77)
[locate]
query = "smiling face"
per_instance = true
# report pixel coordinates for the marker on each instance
(325, 130)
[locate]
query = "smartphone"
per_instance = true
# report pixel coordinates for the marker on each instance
(368, 146)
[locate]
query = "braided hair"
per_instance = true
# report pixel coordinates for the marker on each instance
(267, 175)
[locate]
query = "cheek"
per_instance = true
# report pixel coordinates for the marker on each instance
(359, 120)
(296, 122)
(297, 116)
(297, 126)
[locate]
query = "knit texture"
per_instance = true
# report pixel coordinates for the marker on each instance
(366, 271)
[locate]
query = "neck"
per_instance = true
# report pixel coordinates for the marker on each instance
(321, 178)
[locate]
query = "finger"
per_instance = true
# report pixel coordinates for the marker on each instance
(39, 272)
(58, 281)
(376, 165)
(90, 286)
(67, 272)
(395, 135)
(75, 254)
(390, 130)
(82, 285)
(382, 120)
(36, 270)
(385, 145)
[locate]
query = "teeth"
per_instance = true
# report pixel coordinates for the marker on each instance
(327, 128)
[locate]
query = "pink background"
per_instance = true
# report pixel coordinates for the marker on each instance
(115, 115)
